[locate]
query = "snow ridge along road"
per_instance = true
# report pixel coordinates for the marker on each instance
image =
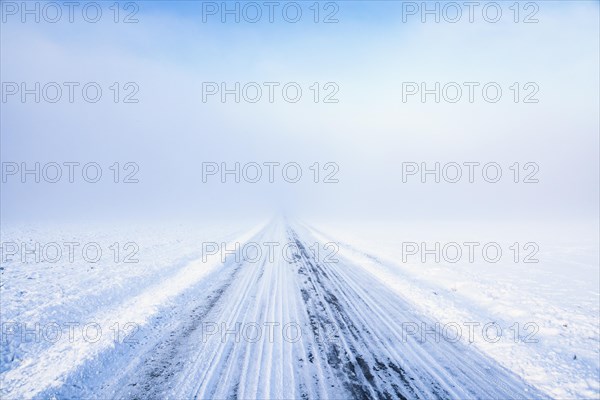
(275, 327)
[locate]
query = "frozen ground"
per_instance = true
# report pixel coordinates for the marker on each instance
(558, 296)
(338, 315)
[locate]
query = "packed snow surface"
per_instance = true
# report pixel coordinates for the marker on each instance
(283, 309)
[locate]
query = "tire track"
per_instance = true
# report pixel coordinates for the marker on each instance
(374, 360)
(352, 341)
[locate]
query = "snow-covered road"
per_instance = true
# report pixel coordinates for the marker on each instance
(298, 323)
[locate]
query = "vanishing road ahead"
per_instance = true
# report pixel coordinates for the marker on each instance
(305, 323)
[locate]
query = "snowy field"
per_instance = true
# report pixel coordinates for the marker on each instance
(297, 310)
(558, 296)
(357, 199)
